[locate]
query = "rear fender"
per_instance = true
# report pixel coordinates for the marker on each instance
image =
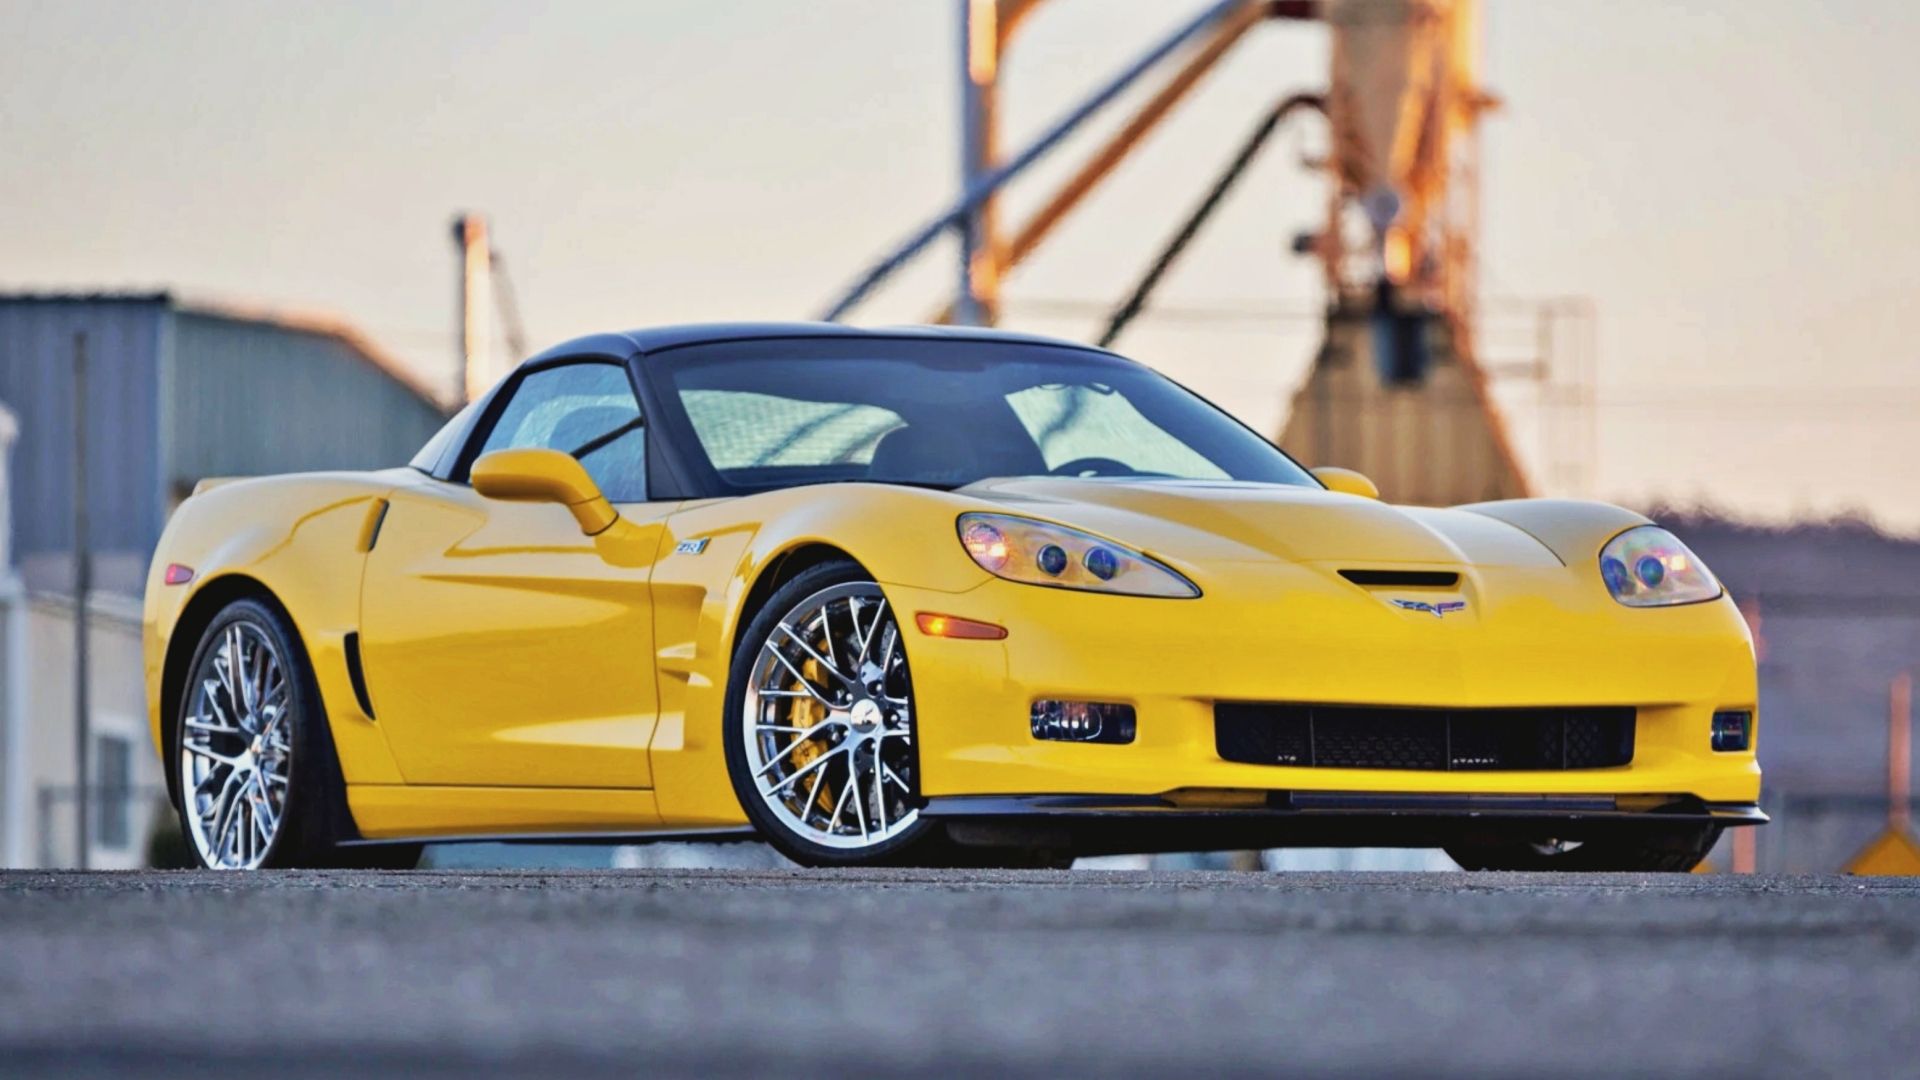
(301, 540)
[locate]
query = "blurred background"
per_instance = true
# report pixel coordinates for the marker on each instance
(1652, 252)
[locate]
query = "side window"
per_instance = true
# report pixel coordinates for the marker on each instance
(586, 410)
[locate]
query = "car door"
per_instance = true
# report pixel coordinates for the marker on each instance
(501, 645)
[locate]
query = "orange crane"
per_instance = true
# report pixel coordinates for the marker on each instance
(1394, 390)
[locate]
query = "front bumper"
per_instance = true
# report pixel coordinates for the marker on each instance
(1530, 638)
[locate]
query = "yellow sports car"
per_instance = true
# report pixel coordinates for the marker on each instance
(924, 596)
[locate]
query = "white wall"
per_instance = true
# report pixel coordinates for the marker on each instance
(15, 801)
(117, 703)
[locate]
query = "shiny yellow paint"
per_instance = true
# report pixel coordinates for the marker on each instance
(537, 475)
(397, 811)
(301, 537)
(525, 675)
(1346, 481)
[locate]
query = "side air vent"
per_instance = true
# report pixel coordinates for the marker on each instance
(1403, 579)
(357, 675)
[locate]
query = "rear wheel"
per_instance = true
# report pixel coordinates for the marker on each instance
(1669, 849)
(256, 781)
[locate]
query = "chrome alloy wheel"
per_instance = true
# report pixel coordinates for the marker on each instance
(828, 722)
(236, 748)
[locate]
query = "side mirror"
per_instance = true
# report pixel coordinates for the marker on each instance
(549, 476)
(1346, 481)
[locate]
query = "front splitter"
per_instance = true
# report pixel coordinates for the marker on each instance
(1211, 820)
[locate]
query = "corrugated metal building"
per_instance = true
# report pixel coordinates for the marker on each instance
(177, 390)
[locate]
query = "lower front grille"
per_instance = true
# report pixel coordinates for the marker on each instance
(1379, 737)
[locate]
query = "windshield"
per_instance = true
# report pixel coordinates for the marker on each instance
(948, 414)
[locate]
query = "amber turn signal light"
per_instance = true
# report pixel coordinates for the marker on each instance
(953, 626)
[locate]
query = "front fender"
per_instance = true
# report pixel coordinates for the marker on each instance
(716, 550)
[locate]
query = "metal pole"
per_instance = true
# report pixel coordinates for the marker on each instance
(82, 585)
(1136, 301)
(979, 75)
(476, 366)
(1900, 751)
(998, 177)
(1116, 149)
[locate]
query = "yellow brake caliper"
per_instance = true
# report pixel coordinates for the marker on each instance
(804, 713)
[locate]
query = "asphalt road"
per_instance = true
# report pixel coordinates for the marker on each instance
(1034, 973)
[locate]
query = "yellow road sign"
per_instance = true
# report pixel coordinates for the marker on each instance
(1892, 853)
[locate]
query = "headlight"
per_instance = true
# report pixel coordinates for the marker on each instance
(1038, 553)
(1649, 567)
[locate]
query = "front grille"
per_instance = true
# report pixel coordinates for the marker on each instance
(1379, 737)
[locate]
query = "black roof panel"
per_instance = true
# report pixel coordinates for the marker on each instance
(660, 338)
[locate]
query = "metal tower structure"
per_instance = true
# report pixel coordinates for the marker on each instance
(484, 286)
(1395, 390)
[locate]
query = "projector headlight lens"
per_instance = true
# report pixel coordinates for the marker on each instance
(1663, 571)
(1042, 553)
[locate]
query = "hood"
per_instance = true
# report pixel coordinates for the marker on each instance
(1205, 521)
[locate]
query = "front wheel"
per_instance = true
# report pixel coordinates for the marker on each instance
(1653, 849)
(820, 725)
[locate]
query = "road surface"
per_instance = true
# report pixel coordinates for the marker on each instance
(721, 973)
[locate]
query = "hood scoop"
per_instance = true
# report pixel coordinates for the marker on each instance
(1402, 579)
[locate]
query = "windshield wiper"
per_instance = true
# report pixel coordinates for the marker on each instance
(928, 484)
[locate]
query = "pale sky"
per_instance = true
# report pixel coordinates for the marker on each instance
(1732, 185)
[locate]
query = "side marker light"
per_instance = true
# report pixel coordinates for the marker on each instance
(953, 626)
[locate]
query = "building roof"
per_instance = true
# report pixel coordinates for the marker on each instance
(298, 320)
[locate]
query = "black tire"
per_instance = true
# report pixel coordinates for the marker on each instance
(919, 844)
(1653, 849)
(314, 818)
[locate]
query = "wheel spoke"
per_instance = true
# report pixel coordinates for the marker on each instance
(201, 723)
(257, 678)
(813, 793)
(860, 800)
(879, 616)
(826, 631)
(814, 654)
(225, 835)
(806, 683)
(206, 752)
(791, 746)
(262, 814)
(895, 777)
(807, 768)
(840, 806)
(237, 686)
